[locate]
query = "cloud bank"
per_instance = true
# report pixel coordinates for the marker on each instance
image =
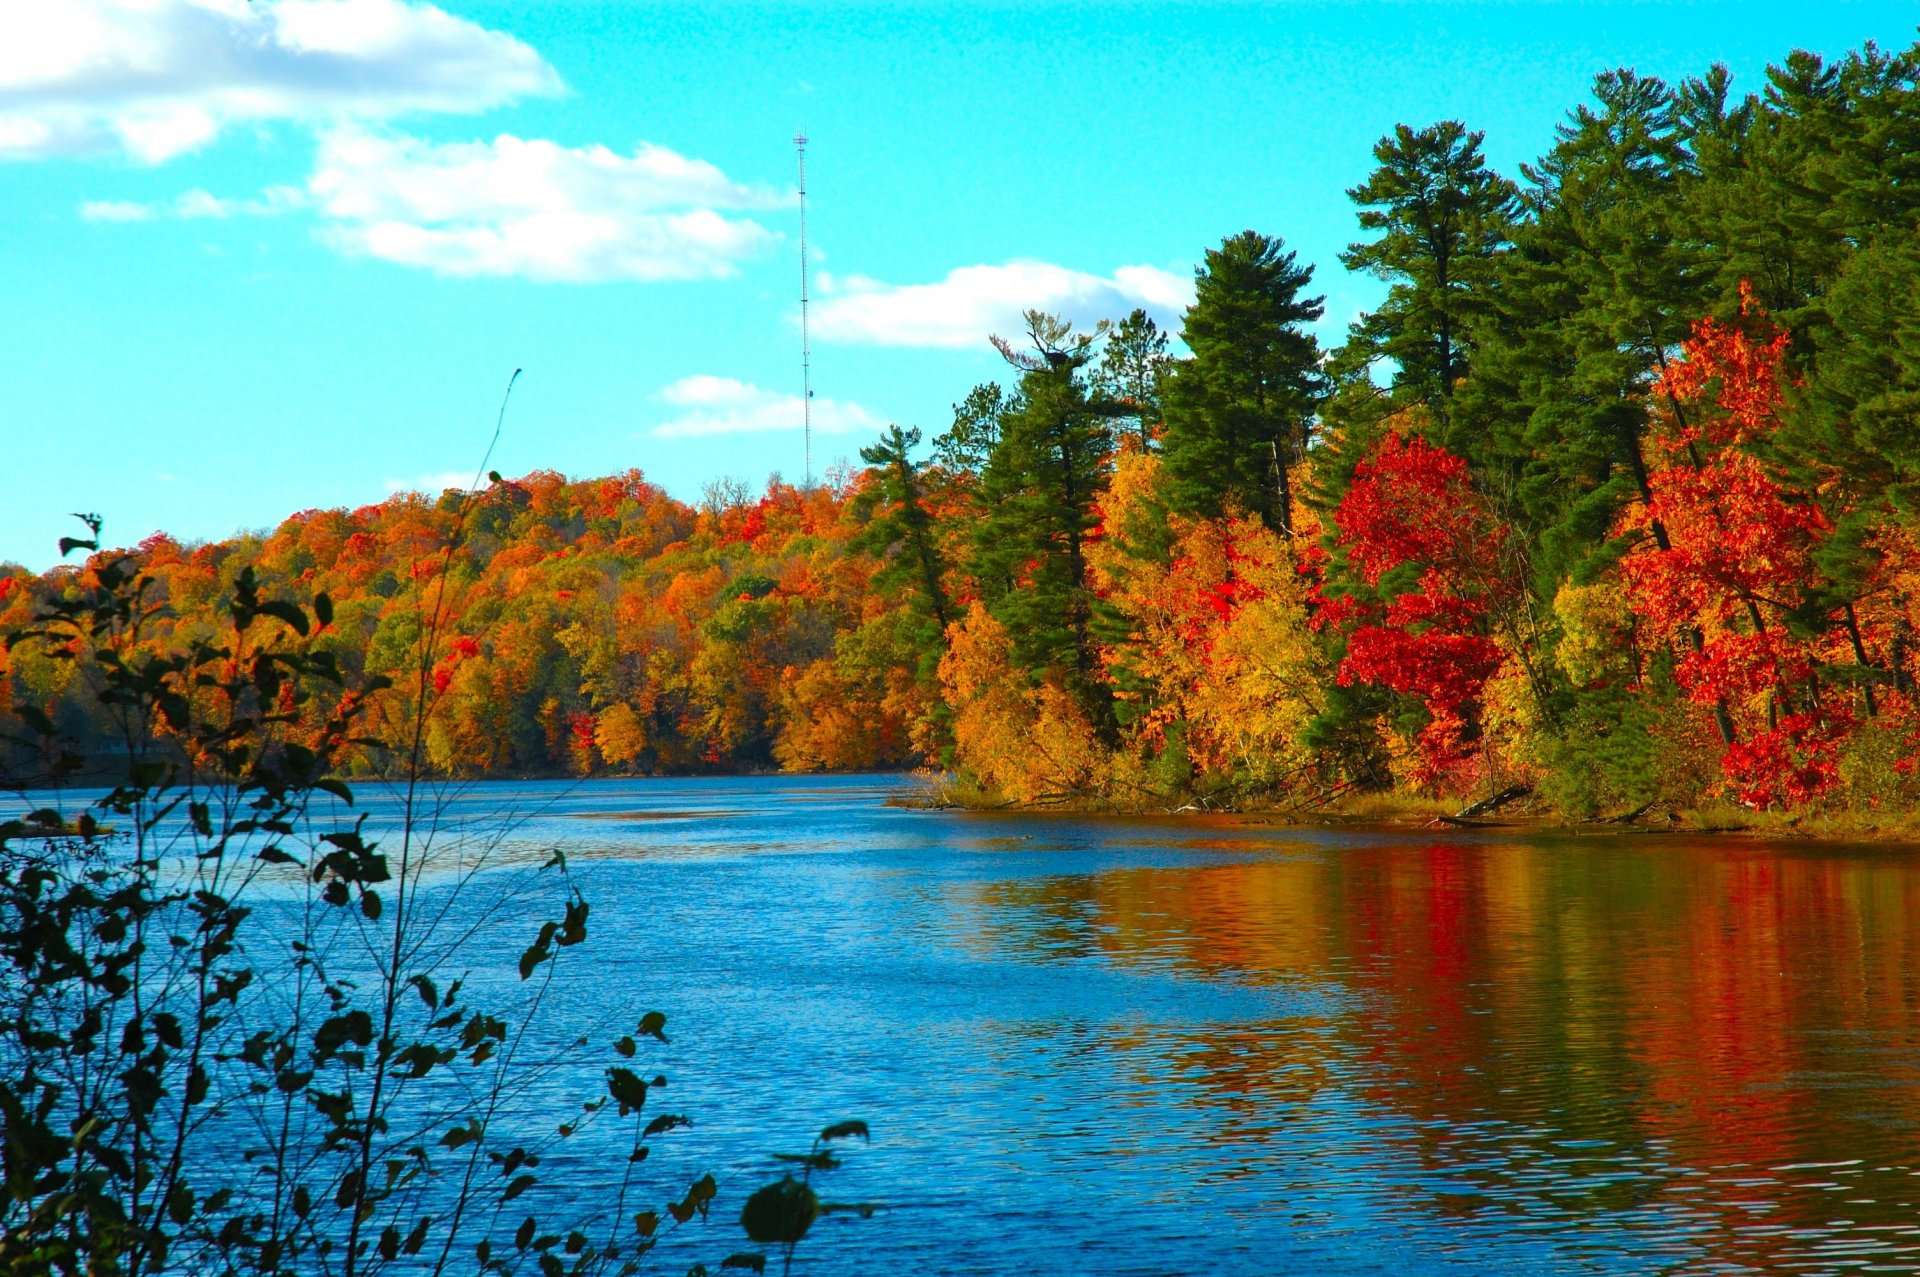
(975, 301)
(533, 208)
(514, 206)
(724, 406)
(153, 79)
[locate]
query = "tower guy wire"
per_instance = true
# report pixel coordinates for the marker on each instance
(806, 346)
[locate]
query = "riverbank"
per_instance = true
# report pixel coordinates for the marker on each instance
(1521, 812)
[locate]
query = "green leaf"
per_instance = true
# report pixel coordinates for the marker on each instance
(651, 1025)
(352, 1026)
(627, 1090)
(666, 1122)
(285, 611)
(574, 927)
(520, 1184)
(781, 1213)
(458, 1136)
(37, 719)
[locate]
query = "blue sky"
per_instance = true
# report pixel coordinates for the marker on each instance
(259, 258)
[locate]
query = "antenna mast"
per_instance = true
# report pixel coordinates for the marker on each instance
(806, 345)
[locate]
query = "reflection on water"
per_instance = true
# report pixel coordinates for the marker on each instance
(1103, 1047)
(1702, 1050)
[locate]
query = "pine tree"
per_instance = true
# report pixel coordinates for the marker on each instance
(900, 529)
(1131, 371)
(1239, 411)
(1442, 218)
(1600, 288)
(967, 444)
(1037, 502)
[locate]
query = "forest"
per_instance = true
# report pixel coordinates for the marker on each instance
(1614, 498)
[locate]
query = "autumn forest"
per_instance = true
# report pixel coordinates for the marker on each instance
(1615, 499)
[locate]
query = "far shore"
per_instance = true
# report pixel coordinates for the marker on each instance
(1428, 816)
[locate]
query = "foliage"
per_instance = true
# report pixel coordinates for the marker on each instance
(1239, 410)
(236, 1034)
(1613, 497)
(236, 1031)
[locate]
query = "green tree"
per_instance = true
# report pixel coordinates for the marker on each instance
(965, 447)
(1238, 413)
(1037, 490)
(1442, 219)
(899, 527)
(1601, 288)
(1131, 372)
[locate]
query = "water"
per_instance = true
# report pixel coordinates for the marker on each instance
(1090, 1046)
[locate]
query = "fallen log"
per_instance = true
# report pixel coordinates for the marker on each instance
(1511, 794)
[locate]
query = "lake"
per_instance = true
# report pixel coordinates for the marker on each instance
(1187, 1046)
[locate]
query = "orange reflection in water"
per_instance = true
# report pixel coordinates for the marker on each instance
(1657, 1031)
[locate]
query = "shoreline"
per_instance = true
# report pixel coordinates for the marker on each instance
(1430, 817)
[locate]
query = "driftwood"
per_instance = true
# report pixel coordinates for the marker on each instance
(1461, 822)
(1627, 818)
(1487, 806)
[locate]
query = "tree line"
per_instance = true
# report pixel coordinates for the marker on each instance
(1613, 496)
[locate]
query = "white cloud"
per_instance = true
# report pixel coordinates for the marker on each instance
(153, 79)
(724, 406)
(116, 211)
(271, 202)
(975, 301)
(519, 206)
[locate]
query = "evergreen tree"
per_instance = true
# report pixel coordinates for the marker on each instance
(1238, 413)
(967, 444)
(900, 530)
(1854, 435)
(1131, 371)
(1037, 493)
(1442, 218)
(1601, 287)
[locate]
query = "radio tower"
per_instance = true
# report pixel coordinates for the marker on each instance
(806, 347)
